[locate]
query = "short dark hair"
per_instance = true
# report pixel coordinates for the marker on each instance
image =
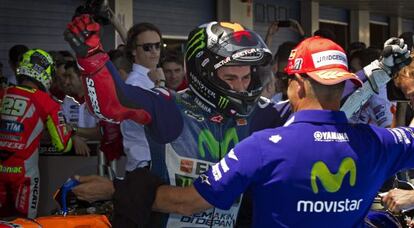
(57, 57)
(366, 56)
(67, 54)
(120, 60)
(74, 65)
(357, 45)
(16, 52)
(173, 57)
(325, 33)
(408, 39)
(137, 29)
(283, 52)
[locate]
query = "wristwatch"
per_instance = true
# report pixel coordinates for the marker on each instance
(160, 82)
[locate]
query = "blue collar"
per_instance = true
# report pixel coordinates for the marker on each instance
(318, 116)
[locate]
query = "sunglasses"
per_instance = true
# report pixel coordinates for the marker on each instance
(149, 46)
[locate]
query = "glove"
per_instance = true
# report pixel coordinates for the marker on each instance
(394, 56)
(82, 34)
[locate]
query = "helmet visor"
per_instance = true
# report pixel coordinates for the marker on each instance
(241, 47)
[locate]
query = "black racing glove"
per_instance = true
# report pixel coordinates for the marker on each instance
(82, 34)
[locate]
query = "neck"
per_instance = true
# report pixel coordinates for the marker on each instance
(145, 65)
(314, 104)
(30, 84)
(80, 93)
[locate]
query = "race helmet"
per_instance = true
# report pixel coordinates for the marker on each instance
(217, 44)
(37, 65)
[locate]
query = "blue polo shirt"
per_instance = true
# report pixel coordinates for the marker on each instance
(317, 171)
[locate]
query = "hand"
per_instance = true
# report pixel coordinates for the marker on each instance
(157, 76)
(83, 35)
(398, 199)
(295, 25)
(394, 56)
(81, 147)
(93, 188)
(273, 28)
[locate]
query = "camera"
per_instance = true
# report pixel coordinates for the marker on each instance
(99, 9)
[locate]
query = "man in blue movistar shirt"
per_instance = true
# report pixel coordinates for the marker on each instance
(317, 170)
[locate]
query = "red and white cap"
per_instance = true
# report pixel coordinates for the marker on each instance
(322, 59)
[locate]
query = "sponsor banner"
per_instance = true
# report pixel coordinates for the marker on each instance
(183, 171)
(10, 126)
(11, 169)
(326, 58)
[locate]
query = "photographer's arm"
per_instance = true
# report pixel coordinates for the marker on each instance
(119, 27)
(271, 30)
(296, 26)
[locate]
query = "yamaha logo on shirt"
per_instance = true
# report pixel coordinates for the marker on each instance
(330, 136)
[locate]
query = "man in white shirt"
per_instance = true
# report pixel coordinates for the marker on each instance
(144, 47)
(84, 124)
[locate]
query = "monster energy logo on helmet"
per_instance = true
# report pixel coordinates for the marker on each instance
(223, 102)
(196, 43)
(37, 64)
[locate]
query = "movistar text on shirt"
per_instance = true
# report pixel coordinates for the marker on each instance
(339, 206)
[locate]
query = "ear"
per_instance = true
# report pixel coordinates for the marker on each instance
(301, 90)
(274, 68)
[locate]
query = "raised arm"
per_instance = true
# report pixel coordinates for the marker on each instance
(376, 75)
(109, 97)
